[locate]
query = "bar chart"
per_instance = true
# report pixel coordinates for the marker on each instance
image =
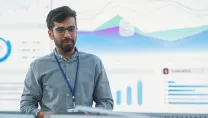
(129, 93)
(186, 94)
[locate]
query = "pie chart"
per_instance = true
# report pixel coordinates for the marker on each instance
(5, 49)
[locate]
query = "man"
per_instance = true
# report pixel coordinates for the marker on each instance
(67, 77)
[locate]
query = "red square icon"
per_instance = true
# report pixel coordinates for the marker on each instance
(165, 71)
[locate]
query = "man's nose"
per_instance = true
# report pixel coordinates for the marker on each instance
(67, 34)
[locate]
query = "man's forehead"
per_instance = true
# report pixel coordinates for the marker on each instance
(69, 20)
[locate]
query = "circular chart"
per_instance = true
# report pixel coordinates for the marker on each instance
(5, 49)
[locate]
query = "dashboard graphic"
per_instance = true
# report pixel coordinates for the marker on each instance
(146, 47)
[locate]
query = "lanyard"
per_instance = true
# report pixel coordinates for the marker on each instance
(72, 90)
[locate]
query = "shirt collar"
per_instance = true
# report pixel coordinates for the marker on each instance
(62, 57)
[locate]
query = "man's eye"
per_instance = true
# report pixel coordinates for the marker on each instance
(71, 29)
(60, 29)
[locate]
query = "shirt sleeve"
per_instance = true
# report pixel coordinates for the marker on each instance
(32, 93)
(102, 93)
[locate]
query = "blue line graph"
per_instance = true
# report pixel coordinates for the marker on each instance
(180, 90)
(178, 98)
(187, 94)
(129, 93)
(196, 103)
(171, 81)
(188, 86)
(111, 5)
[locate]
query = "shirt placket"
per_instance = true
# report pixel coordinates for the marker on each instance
(68, 92)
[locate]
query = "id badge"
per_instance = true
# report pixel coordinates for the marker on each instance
(71, 110)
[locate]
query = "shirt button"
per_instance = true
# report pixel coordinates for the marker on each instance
(67, 94)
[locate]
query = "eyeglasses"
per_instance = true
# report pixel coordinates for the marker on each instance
(62, 30)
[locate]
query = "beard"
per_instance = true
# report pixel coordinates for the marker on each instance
(66, 45)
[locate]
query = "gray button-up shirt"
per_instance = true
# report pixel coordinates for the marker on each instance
(45, 84)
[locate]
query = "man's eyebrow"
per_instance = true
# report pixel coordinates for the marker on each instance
(59, 27)
(66, 27)
(72, 26)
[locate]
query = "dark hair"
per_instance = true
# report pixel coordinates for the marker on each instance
(59, 15)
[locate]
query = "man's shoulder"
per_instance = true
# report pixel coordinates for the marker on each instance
(88, 56)
(43, 60)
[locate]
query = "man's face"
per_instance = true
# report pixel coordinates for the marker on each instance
(64, 34)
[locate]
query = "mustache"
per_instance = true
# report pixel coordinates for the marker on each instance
(68, 40)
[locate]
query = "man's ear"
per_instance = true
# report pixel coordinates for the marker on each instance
(50, 34)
